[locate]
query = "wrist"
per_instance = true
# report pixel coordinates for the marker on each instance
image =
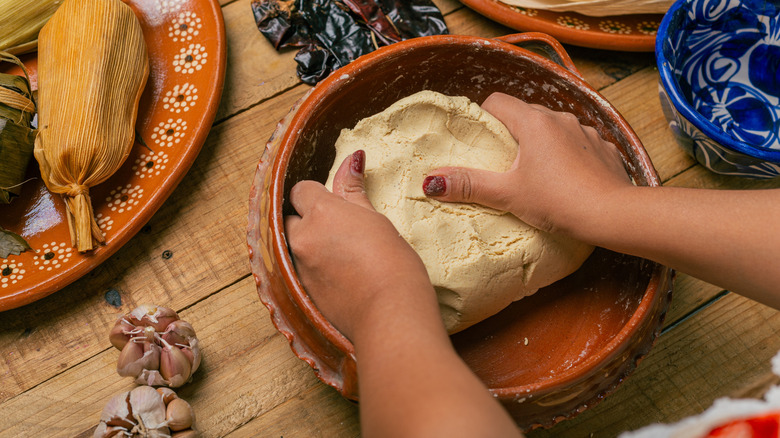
(602, 217)
(410, 310)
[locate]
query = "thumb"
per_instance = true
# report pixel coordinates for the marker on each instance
(460, 184)
(349, 180)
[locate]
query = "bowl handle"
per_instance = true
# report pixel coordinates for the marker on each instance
(542, 44)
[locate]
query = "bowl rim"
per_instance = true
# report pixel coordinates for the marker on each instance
(330, 86)
(679, 102)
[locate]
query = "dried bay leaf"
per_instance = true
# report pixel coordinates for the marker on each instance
(11, 243)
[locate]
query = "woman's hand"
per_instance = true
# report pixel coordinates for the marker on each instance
(374, 288)
(351, 260)
(563, 170)
(567, 179)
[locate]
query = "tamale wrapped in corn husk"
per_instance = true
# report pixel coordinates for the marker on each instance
(20, 22)
(16, 135)
(92, 69)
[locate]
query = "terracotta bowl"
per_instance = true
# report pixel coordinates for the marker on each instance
(545, 358)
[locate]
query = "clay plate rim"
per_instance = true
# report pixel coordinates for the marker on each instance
(210, 94)
(547, 22)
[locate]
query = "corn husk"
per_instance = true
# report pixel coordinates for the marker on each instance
(20, 22)
(92, 69)
(16, 135)
(597, 8)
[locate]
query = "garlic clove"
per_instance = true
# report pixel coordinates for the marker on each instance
(185, 434)
(151, 378)
(179, 415)
(120, 333)
(167, 394)
(129, 359)
(116, 406)
(193, 354)
(115, 415)
(151, 357)
(140, 312)
(179, 332)
(134, 365)
(158, 317)
(148, 408)
(174, 365)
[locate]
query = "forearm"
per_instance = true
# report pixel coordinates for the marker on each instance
(413, 384)
(728, 238)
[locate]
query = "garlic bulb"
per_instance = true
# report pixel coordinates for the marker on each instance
(157, 348)
(146, 413)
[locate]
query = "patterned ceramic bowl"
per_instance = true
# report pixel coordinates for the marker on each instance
(719, 65)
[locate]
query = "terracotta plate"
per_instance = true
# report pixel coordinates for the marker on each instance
(186, 42)
(630, 33)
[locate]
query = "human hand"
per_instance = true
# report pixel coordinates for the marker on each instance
(562, 171)
(351, 260)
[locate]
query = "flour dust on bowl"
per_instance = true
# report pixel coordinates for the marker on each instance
(547, 357)
(719, 65)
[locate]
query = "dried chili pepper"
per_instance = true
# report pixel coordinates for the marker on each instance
(376, 19)
(333, 33)
(414, 18)
(280, 23)
(336, 29)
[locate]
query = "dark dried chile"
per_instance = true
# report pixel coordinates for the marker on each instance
(314, 64)
(414, 18)
(280, 23)
(333, 33)
(376, 19)
(336, 30)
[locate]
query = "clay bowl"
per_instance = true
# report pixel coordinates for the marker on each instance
(545, 358)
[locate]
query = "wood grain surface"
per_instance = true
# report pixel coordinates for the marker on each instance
(57, 367)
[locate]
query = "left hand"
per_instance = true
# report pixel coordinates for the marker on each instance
(351, 259)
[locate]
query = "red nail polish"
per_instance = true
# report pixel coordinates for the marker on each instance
(434, 185)
(358, 162)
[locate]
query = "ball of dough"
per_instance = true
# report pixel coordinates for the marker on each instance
(479, 260)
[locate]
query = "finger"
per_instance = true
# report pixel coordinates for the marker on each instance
(504, 107)
(292, 226)
(513, 112)
(304, 194)
(459, 184)
(349, 180)
(615, 159)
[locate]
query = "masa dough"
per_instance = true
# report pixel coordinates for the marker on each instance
(479, 260)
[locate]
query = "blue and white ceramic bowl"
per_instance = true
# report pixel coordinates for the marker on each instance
(719, 65)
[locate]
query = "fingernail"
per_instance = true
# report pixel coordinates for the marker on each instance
(358, 162)
(434, 185)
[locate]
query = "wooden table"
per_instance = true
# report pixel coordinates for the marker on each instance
(58, 368)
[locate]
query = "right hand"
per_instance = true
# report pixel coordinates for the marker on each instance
(563, 170)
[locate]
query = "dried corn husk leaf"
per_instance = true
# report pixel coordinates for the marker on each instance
(597, 8)
(21, 20)
(16, 135)
(92, 69)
